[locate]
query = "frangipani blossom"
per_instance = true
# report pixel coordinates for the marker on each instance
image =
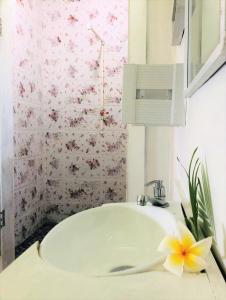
(184, 253)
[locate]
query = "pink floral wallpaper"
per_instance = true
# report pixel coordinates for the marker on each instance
(70, 142)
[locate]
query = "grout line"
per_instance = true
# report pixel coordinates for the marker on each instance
(31, 183)
(28, 158)
(30, 212)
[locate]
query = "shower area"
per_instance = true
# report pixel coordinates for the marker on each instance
(69, 142)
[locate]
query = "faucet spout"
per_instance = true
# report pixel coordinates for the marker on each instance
(159, 189)
(159, 195)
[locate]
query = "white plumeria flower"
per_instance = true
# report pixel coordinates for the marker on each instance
(184, 253)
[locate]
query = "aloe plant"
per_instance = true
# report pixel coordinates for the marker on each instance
(193, 183)
(201, 224)
(202, 221)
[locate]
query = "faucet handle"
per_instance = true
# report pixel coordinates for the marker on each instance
(141, 200)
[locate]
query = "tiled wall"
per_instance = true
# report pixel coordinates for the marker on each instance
(70, 143)
(29, 183)
(85, 140)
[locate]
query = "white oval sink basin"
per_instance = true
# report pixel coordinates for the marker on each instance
(114, 239)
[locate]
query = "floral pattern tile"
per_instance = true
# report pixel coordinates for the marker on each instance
(89, 192)
(58, 212)
(26, 224)
(55, 190)
(26, 198)
(69, 139)
(82, 143)
(111, 118)
(114, 167)
(82, 119)
(29, 121)
(114, 191)
(28, 144)
(114, 61)
(114, 142)
(54, 166)
(25, 116)
(25, 171)
(83, 167)
(54, 143)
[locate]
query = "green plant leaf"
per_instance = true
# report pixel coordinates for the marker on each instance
(193, 184)
(205, 209)
(190, 165)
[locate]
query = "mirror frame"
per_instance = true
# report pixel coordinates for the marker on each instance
(216, 59)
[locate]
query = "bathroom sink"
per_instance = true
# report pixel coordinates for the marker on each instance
(114, 239)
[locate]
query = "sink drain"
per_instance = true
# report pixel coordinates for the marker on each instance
(120, 268)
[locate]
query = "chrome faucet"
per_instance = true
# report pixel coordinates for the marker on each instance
(159, 195)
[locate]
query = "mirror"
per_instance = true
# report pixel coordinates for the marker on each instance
(205, 27)
(205, 19)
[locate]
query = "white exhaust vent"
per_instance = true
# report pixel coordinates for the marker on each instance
(153, 95)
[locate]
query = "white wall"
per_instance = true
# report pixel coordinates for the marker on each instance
(206, 128)
(159, 140)
(159, 32)
(149, 149)
(159, 151)
(136, 134)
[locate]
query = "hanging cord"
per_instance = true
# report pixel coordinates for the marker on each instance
(101, 55)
